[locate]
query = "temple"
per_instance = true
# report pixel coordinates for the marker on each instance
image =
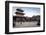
(19, 17)
(19, 12)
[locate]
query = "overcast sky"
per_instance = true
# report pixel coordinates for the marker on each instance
(29, 11)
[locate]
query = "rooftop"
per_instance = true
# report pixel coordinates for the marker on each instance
(20, 10)
(19, 13)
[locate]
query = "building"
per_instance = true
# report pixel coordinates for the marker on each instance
(19, 12)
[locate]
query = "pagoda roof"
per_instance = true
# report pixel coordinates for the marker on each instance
(19, 13)
(20, 10)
